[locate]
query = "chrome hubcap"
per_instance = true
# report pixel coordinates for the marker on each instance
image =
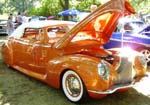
(73, 85)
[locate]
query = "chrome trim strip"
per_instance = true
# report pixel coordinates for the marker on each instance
(22, 42)
(32, 44)
(147, 45)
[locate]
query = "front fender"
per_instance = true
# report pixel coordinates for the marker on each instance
(85, 66)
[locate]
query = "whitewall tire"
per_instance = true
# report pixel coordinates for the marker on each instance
(73, 87)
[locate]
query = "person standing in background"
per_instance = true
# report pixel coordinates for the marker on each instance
(19, 19)
(25, 17)
(93, 7)
(10, 25)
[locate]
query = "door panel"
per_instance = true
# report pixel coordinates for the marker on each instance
(20, 47)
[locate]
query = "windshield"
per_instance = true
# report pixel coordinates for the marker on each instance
(58, 31)
(135, 26)
(146, 31)
(130, 26)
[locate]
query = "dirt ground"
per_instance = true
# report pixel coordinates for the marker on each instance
(19, 89)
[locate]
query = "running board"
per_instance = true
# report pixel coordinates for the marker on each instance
(30, 73)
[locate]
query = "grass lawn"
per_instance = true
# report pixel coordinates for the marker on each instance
(19, 89)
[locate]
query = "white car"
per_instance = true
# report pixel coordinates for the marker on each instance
(3, 25)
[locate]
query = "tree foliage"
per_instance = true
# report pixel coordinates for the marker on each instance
(64, 4)
(1, 10)
(48, 7)
(141, 5)
(52, 7)
(17, 5)
(85, 5)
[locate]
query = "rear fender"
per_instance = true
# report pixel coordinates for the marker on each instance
(7, 53)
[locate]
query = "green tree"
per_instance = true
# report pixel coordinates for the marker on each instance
(52, 7)
(85, 5)
(1, 11)
(17, 5)
(141, 5)
(48, 7)
(2, 5)
(64, 4)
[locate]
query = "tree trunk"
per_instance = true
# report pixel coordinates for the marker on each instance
(65, 5)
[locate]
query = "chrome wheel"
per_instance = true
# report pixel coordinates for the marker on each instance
(72, 86)
(146, 54)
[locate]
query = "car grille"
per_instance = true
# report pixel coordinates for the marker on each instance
(125, 71)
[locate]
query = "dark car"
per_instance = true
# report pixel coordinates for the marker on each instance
(135, 35)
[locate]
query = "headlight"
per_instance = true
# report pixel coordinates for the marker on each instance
(103, 70)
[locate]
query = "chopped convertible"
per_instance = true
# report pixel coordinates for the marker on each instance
(71, 56)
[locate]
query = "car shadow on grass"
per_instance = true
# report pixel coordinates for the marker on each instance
(19, 89)
(132, 97)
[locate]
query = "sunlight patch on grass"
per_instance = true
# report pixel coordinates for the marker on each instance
(2, 101)
(143, 86)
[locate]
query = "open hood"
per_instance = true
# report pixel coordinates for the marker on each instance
(100, 23)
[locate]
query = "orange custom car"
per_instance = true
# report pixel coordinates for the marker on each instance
(71, 56)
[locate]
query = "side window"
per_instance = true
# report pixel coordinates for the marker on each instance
(51, 32)
(32, 33)
(57, 31)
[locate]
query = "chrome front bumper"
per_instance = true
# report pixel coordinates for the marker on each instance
(113, 88)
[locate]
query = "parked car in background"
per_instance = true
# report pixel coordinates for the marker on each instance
(130, 25)
(37, 18)
(147, 18)
(134, 34)
(70, 56)
(3, 25)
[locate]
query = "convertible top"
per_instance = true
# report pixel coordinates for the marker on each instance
(40, 24)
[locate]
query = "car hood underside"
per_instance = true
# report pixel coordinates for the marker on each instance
(100, 23)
